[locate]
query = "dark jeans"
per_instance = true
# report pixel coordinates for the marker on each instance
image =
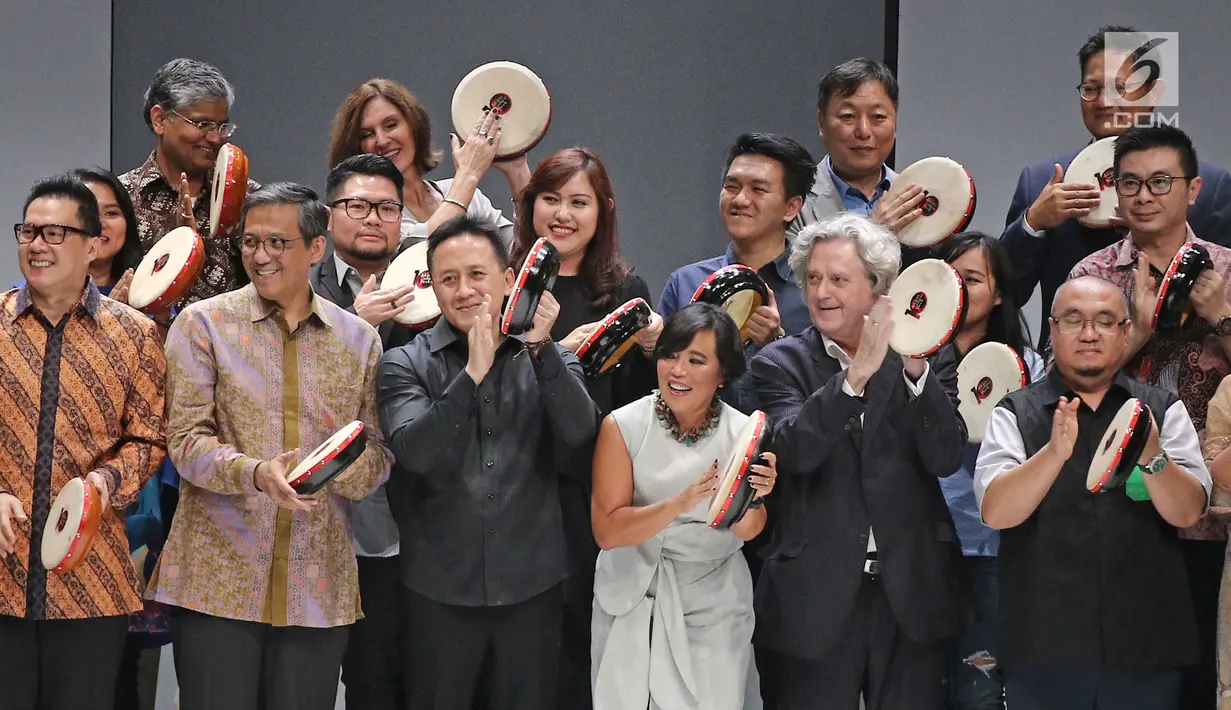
(976, 682)
(1094, 688)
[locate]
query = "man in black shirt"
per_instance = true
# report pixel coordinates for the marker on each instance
(477, 422)
(1093, 597)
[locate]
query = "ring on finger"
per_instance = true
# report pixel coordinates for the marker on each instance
(490, 140)
(482, 132)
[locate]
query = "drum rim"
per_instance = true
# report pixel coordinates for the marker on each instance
(182, 282)
(536, 259)
(607, 323)
(756, 284)
(236, 167)
(87, 528)
(331, 456)
(967, 217)
(1121, 447)
(1176, 261)
(962, 303)
(493, 64)
(435, 317)
(761, 420)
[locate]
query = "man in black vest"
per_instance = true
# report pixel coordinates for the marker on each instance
(1093, 596)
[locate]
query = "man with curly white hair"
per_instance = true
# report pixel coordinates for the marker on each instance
(861, 587)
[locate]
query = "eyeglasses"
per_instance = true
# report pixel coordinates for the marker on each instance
(226, 130)
(359, 208)
(274, 246)
(51, 233)
(1090, 91)
(1157, 185)
(1073, 323)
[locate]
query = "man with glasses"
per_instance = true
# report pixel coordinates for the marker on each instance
(188, 108)
(364, 193)
(81, 395)
(262, 580)
(1094, 603)
(1157, 182)
(1043, 235)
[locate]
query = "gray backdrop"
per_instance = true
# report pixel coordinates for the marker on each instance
(55, 77)
(658, 90)
(992, 84)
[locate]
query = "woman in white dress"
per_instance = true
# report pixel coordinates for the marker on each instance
(381, 116)
(673, 620)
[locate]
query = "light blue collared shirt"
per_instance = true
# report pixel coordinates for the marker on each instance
(854, 200)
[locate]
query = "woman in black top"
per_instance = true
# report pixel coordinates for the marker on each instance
(569, 202)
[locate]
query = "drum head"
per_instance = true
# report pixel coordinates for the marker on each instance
(1120, 447)
(167, 270)
(329, 460)
(1171, 311)
(1095, 165)
(987, 373)
(515, 93)
(614, 336)
(72, 526)
(929, 303)
(410, 267)
(735, 493)
(230, 187)
(537, 276)
(949, 204)
(737, 289)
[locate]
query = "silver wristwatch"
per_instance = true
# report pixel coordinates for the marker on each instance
(1156, 464)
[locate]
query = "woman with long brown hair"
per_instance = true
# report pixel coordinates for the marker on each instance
(383, 117)
(569, 201)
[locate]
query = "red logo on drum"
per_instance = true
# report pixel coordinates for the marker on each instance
(423, 279)
(161, 263)
(930, 205)
(918, 302)
(500, 103)
(1106, 179)
(982, 390)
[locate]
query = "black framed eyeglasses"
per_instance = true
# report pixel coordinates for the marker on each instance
(1157, 185)
(1073, 323)
(226, 130)
(1089, 91)
(26, 233)
(274, 246)
(358, 208)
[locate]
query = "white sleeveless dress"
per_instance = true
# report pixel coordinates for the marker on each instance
(672, 624)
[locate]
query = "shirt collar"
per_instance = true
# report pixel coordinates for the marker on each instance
(1126, 250)
(781, 263)
(846, 188)
(149, 173)
(262, 309)
(443, 334)
(90, 301)
(835, 351)
(342, 268)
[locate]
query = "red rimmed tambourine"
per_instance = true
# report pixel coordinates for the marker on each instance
(929, 305)
(329, 460)
(230, 187)
(1120, 447)
(737, 289)
(536, 277)
(72, 526)
(735, 492)
(614, 336)
(410, 268)
(167, 271)
(516, 94)
(987, 373)
(1095, 165)
(1172, 308)
(948, 203)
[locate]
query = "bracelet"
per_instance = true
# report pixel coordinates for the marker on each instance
(537, 345)
(452, 201)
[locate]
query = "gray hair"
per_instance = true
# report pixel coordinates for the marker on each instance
(313, 216)
(878, 249)
(183, 82)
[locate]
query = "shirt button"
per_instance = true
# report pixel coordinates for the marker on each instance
(491, 532)
(491, 463)
(487, 399)
(489, 432)
(491, 496)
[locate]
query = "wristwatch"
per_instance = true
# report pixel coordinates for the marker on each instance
(1223, 327)
(1155, 465)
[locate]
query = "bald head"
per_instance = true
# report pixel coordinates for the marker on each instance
(1087, 289)
(1089, 332)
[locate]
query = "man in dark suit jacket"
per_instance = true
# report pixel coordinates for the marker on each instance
(1043, 235)
(364, 193)
(863, 582)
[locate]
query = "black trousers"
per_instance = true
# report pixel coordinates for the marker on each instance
(574, 681)
(372, 669)
(60, 665)
(1204, 561)
(509, 654)
(874, 657)
(1069, 688)
(225, 664)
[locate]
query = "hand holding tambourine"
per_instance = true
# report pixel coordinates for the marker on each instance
(766, 476)
(270, 479)
(475, 156)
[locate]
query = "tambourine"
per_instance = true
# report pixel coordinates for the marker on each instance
(737, 289)
(536, 277)
(1121, 447)
(72, 526)
(329, 460)
(1095, 165)
(230, 187)
(1172, 309)
(987, 373)
(516, 94)
(167, 271)
(410, 268)
(929, 305)
(614, 336)
(735, 492)
(948, 203)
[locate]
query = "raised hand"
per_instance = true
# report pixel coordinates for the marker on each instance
(482, 342)
(1061, 200)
